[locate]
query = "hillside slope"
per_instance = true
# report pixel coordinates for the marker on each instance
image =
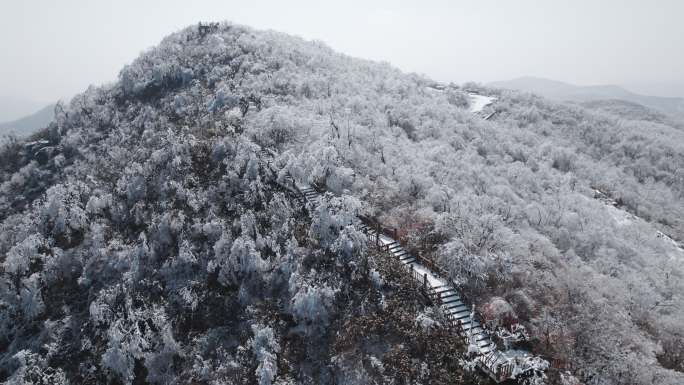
(563, 91)
(30, 124)
(143, 240)
(13, 107)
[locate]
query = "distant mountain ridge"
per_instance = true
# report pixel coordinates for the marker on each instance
(146, 238)
(15, 107)
(554, 89)
(29, 124)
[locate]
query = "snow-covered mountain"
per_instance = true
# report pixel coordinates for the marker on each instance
(563, 91)
(29, 124)
(146, 235)
(13, 107)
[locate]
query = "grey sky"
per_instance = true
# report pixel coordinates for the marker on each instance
(53, 49)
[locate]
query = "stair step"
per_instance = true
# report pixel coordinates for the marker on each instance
(482, 337)
(409, 261)
(454, 303)
(466, 322)
(458, 308)
(406, 256)
(459, 316)
(478, 331)
(448, 297)
(460, 313)
(476, 328)
(450, 300)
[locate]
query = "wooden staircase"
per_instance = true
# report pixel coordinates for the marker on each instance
(431, 279)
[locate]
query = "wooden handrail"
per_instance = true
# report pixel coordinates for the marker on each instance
(500, 372)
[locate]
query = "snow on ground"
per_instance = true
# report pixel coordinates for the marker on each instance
(433, 280)
(479, 102)
(624, 218)
(667, 238)
(436, 88)
(621, 217)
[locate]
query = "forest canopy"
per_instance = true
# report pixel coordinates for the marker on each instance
(143, 239)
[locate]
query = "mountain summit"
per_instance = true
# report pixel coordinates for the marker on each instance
(146, 236)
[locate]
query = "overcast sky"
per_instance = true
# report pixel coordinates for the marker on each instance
(54, 49)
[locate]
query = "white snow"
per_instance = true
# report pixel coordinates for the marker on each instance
(621, 217)
(385, 240)
(435, 89)
(667, 238)
(448, 297)
(479, 102)
(432, 279)
(625, 218)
